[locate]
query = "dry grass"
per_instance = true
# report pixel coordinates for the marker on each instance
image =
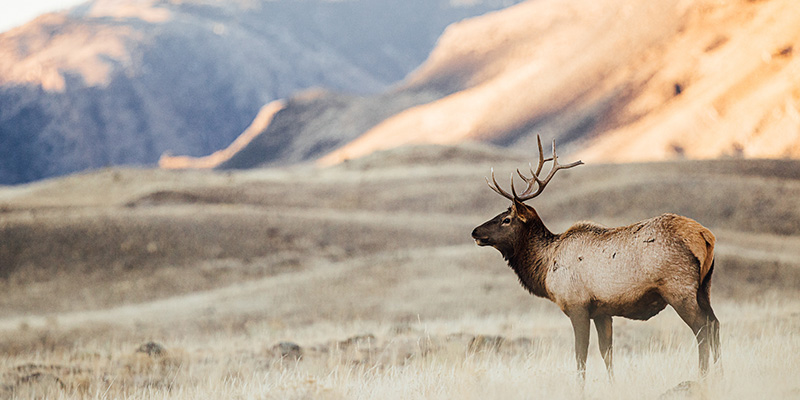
(425, 360)
(369, 269)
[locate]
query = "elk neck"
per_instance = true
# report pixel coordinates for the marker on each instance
(530, 256)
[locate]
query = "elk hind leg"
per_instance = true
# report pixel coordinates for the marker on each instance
(605, 338)
(712, 323)
(690, 311)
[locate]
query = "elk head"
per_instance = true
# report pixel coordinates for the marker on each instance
(511, 229)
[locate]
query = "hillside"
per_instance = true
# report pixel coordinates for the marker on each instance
(201, 85)
(129, 220)
(369, 269)
(123, 82)
(614, 81)
(621, 82)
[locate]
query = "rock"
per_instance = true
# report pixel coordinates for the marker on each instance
(486, 343)
(152, 349)
(38, 383)
(288, 350)
(520, 345)
(685, 390)
(358, 340)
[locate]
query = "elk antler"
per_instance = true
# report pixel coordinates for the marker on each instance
(533, 181)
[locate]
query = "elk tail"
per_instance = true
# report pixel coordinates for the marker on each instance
(700, 241)
(706, 269)
(707, 263)
(705, 284)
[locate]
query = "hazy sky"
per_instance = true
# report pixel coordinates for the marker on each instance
(17, 12)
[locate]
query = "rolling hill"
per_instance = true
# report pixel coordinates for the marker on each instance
(368, 268)
(120, 221)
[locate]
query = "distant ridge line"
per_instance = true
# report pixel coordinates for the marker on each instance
(257, 127)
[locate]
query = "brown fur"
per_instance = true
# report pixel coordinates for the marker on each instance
(699, 240)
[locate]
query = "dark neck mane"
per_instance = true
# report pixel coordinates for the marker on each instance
(529, 259)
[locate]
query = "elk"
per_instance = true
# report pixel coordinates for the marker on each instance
(595, 273)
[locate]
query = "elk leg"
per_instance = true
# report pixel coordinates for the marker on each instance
(605, 338)
(580, 326)
(714, 337)
(703, 346)
(701, 326)
(711, 321)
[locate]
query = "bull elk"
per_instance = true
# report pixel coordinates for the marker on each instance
(595, 273)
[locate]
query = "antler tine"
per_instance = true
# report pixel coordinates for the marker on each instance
(497, 189)
(530, 181)
(534, 180)
(535, 175)
(514, 191)
(542, 183)
(541, 156)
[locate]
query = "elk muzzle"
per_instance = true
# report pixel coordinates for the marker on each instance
(480, 240)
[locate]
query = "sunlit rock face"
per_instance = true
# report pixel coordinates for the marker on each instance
(613, 81)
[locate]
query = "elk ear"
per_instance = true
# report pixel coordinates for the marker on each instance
(520, 210)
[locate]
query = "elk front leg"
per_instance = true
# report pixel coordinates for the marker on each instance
(580, 326)
(605, 335)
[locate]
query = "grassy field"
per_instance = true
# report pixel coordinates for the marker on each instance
(361, 281)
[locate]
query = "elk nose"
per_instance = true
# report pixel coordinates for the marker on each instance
(481, 240)
(476, 235)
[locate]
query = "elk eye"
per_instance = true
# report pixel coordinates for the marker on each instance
(506, 221)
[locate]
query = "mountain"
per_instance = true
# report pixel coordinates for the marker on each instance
(614, 81)
(313, 80)
(124, 81)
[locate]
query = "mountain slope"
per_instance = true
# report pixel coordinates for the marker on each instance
(122, 82)
(523, 77)
(727, 85)
(621, 81)
(307, 126)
